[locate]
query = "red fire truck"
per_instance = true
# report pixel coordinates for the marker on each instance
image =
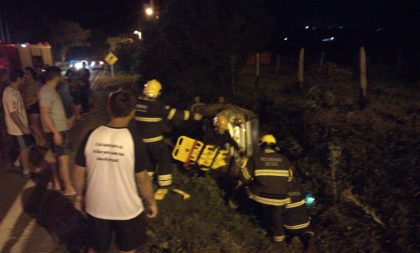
(20, 56)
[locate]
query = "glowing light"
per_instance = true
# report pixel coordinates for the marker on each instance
(138, 34)
(328, 39)
(149, 11)
(92, 64)
(23, 45)
(307, 27)
(285, 38)
(101, 62)
(309, 200)
(78, 65)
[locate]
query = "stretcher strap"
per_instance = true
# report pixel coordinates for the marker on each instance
(214, 157)
(187, 163)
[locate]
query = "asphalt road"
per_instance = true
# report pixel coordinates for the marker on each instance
(21, 232)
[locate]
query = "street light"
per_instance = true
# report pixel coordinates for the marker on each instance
(149, 11)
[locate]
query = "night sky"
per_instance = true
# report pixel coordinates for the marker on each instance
(104, 18)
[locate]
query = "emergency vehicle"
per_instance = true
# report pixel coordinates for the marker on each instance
(20, 56)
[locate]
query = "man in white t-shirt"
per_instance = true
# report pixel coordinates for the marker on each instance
(116, 162)
(17, 120)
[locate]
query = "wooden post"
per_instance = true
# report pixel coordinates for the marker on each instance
(257, 65)
(112, 71)
(301, 65)
(363, 79)
(321, 61)
(277, 63)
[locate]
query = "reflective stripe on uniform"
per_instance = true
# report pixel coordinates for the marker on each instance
(300, 226)
(268, 201)
(279, 238)
(296, 204)
(171, 113)
(291, 175)
(147, 119)
(274, 173)
(186, 115)
(244, 170)
(165, 180)
(154, 139)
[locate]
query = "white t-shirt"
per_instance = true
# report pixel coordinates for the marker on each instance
(112, 156)
(13, 102)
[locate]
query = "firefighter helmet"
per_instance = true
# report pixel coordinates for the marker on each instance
(268, 139)
(220, 121)
(152, 88)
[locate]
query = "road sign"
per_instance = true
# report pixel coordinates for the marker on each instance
(111, 59)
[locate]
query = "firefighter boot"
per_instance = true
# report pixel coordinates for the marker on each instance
(161, 193)
(305, 239)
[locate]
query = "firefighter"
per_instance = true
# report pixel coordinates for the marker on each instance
(220, 135)
(150, 116)
(268, 181)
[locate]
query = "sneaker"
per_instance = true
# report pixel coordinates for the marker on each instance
(26, 173)
(16, 164)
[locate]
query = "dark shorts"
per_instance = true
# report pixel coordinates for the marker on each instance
(33, 109)
(129, 234)
(65, 147)
(23, 141)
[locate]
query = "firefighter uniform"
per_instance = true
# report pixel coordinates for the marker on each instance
(150, 115)
(270, 182)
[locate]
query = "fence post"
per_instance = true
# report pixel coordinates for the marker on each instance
(277, 63)
(257, 64)
(321, 61)
(363, 79)
(301, 66)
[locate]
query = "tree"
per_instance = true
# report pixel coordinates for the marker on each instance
(66, 35)
(199, 43)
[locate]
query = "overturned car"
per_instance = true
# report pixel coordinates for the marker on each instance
(242, 126)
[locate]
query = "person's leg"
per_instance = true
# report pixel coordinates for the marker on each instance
(24, 161)
(277, 222)
(24, 143)
(35, 126)
(64, 172)
(99, 234)
(164, 163)
(130, 234)
(63, 153)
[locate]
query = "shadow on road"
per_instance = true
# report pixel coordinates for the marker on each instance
(56, 214)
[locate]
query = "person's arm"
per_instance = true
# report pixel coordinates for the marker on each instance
(79, 172)
(45, 104)
(246, 171)
(144, 185)
(19, 123)
(179, 115)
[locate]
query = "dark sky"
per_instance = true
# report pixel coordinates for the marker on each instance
(101, 14)
(29, 18)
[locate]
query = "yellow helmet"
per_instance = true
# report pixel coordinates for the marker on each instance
(152, 88)
(269, 139)
(220, 121)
